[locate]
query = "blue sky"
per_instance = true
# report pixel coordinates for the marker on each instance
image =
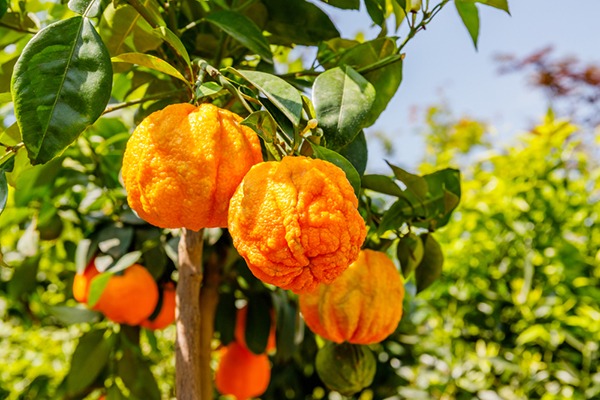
(442, 64)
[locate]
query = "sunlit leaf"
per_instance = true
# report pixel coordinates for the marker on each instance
(416, 184)
(499, 4)
(3, 190)
(342, 100)
(126, 261)
(263, 124)
(150, 61)
(97, 286)
(244, 30)
(382, 184)
(173, 40)
(87, 8)
(60, 86)
(344, 4)
(470, 17)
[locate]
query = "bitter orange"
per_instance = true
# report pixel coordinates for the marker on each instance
(241, 373)
(183, 163)
(362, 306)
(128, 298)
(296, 222)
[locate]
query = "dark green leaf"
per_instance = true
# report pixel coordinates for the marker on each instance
(60, 85)
(73, 315)
(470, 17)
(3, 190)
(376, 10)
(298, 22)
(287, 322)
(137, 376)
(401, 212)
(356, 152)
(409, 251)
(262, 123)
(24, 279)
(89, 359)
(283, 95)
(152, 62)
(430, 267)
(338, 160)
(97, 287)
(225, 323)
(285, 125)
(114, 393)
(87, 8)
(115, 240)
(244, 30)
(381, 184)
(414, 183)
(443, 196)
(3, 7)
(499, 4)
(342, 100)
(344, 4)
(258, 323)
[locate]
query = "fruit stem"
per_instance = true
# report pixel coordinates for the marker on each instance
(188, 346)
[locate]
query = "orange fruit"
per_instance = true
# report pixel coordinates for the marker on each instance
(296, 222)
(81, 281)
(166, 314)
(129, 298)
(362, 306)
(241, 373)
(240, 329)
(183, 163)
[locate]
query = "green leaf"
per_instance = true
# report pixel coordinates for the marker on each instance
(244, 30)
(410, 252)
(287, 322)
(381, 184)
(414, 183)
(97, 286)
(73, 315)
(225, 323)
(5, 97)
(344, 4)
(338, 160)
(61, 84)
(298, 22)
(430, 267)
(499, 4)
(114, 240)
(150, 61)
(342, 100)
(208, 90)
(87, 8)
(173, 40)
(376, 10)
(283, 95)
(125, 31)
(24, 279)
(3, 7)
(263, 124)
(3, 190)
(401, 212)
(470, 17)
(83, 255)
(356, 152)
(137, 376)
(443, 195)
(258, 323)
(89, 359)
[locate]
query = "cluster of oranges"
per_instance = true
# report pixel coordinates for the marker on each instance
(131, 297)
(294, 221)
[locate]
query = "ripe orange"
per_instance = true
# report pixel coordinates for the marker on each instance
(183, 163)
(362, 306)
(81, 281)
(296, 222)
(166, 314)
(241, 373)
(129, 298)
(240, 329)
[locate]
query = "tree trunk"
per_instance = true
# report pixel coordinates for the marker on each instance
(188, 346)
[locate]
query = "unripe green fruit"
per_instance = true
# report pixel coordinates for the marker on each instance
(346, 368)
